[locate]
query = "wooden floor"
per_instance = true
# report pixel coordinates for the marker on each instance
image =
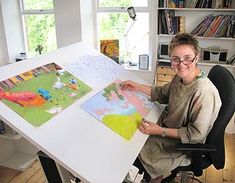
(34, 174)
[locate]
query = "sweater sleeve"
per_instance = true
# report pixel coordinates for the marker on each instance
(203, 112)
(160, 93)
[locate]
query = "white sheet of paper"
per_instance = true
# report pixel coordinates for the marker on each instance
(101, 70)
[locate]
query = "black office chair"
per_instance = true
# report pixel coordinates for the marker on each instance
(212, 152)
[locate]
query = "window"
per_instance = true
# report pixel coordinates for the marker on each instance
(114, 23)
(39, 25)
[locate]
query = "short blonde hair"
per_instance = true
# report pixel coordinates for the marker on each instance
(184, 39)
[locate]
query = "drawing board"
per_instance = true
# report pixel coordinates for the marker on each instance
(74, 138)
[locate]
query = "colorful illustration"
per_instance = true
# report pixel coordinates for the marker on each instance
(40, 94)
(120, 110)
(110, 48)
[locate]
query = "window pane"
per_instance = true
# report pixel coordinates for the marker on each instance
(38, 4)
(133, 35)
(40, 30)
(123, 3)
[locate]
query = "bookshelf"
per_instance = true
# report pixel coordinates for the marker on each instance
(192, 18)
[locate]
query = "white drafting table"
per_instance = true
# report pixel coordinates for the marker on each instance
(74, 139)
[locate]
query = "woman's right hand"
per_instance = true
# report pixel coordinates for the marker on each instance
(130, 85)
(133, 86)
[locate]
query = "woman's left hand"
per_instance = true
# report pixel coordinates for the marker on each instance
(149, 128)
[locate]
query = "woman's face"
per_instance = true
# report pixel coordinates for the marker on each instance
(183, 60)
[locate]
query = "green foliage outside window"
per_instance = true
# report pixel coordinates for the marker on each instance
(40, 28)
(112, 25)
(108, 3)
(38, 4)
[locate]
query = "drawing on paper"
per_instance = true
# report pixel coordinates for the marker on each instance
(39, 94)
(120, 110)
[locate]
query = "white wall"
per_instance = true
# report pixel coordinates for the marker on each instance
(3, 44)
(74, 22)
(68, 22)
(147, 76)
(13, 29)
(87, 23)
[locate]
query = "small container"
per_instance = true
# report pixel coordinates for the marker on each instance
(2, 127)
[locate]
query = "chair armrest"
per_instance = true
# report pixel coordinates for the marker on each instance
(196, 147)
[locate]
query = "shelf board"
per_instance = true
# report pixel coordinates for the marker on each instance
(198, 9)
(209, 63)
(164, 60)
(19, 161)
(200, 37)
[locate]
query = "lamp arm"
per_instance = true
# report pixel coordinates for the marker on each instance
(126, 38)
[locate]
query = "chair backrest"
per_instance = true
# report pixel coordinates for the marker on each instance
(225, 83)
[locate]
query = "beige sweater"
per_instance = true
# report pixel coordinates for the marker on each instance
(190, 108)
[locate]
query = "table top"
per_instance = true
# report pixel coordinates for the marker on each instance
(73, 138)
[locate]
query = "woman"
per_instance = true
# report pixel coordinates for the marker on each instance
(193, 104)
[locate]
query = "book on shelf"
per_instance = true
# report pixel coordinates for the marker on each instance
(193, 4)
(201, 24)
(223, 27)
(214, 26)
(232, 30)
(162, 23)
(169, 23)
(172, 3)
(216, 4)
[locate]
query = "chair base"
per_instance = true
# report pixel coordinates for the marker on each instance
(181, 177)
(187, 177)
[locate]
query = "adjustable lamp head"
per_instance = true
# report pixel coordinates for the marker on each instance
(131, 12)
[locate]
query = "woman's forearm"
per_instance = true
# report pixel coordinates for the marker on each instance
(145, 89)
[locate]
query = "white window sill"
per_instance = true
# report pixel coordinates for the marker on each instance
(135, 68)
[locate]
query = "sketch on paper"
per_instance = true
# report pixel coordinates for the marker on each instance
(118, 109)
(102, 70)
(39, 94)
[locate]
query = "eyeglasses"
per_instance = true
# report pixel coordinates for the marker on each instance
(187, 61)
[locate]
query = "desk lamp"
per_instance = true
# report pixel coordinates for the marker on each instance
(132, 15)
(131, 12)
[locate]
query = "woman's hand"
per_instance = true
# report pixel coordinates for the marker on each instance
(150, 128)
(129, 85)
(133, 86)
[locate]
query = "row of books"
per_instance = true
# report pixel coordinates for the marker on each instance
(215, 4)
(216, 26)
(172, 3)
(169, 23)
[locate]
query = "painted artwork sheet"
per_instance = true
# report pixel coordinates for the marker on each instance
(120, 110)
(40, 94)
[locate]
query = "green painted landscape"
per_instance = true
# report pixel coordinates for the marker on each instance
(40, 94)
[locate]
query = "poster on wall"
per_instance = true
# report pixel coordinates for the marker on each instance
(120, 110)
(41, 93)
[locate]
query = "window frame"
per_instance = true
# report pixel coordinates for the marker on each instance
(24, 12)
(150, 9)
